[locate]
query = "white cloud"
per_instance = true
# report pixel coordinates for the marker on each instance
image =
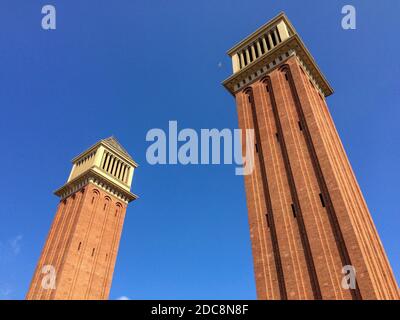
(15, 244)
(10, 248)
(5, 292)
(123, 298)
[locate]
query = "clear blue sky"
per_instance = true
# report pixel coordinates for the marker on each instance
(124, 67)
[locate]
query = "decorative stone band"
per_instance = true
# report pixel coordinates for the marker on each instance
(257, 72)
(91, 176)
(292, 46)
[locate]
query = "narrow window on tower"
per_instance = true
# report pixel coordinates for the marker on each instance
(279, 36)
(322, 200)
(123, 174)
(79, 246)
(116, 211)
(93, 252)
(106, 256)
(267, 88)
(92, 200)
(256, 147)
(277, 136)
(109, 162)
(293, 210)
(300, 127)
(267, 218)
(267, 41)
(250, 55)
(112, 166)
(286, 77)
(273, 39)
(261, 47)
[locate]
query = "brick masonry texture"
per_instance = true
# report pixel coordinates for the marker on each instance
(307, 215)
(82, 246)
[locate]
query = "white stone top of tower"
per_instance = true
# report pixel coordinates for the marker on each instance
(265, 49)
(106, 164)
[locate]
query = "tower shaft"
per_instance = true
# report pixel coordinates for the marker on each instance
(82, 246)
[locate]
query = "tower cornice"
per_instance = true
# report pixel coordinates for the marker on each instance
(265, 49)
(95, 176)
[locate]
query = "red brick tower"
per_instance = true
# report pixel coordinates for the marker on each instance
(307, 216)
(77, 261)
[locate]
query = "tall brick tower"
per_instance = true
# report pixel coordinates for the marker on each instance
(82, 244)
(307, 216)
